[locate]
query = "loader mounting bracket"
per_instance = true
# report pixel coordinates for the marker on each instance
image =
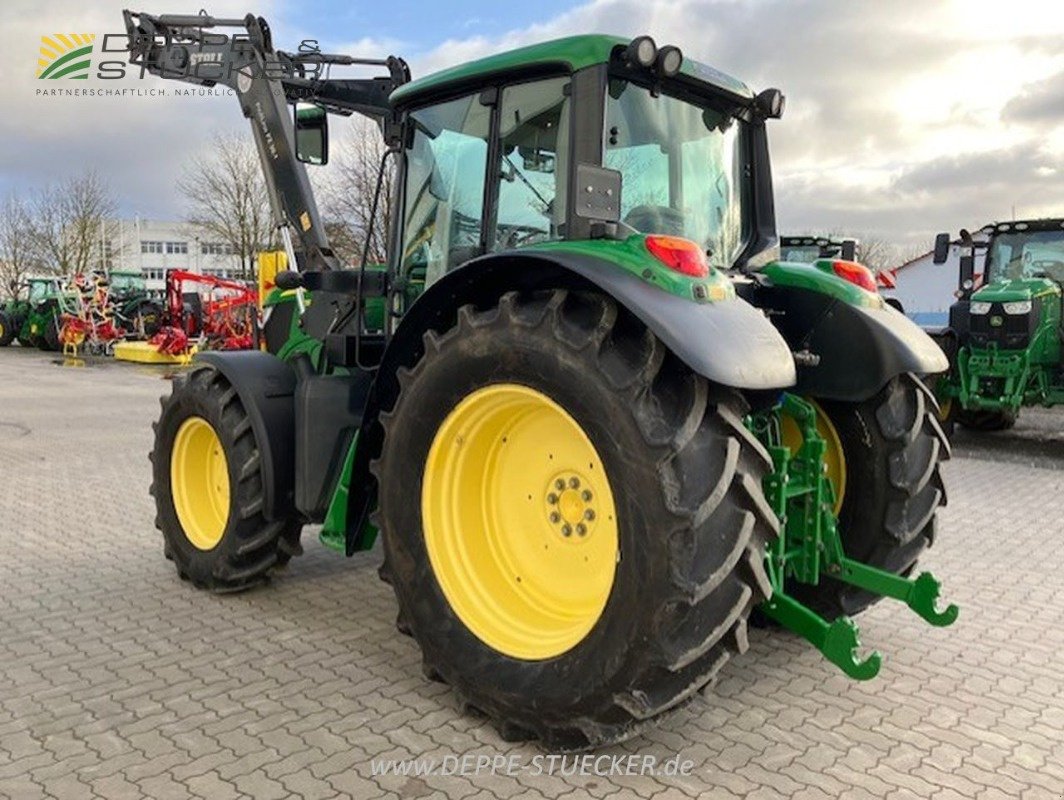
(809, 546)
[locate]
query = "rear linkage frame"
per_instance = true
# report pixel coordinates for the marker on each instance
(809, 546)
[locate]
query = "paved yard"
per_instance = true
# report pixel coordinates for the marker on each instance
(118, 680)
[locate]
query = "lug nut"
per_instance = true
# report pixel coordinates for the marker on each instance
(589, 515)
(559, 484)
(555, 517)
(552, 498)
(574, 482)
(581, 528)
(586, 495)
(567, 530)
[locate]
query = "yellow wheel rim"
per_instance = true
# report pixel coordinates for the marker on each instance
(519, 521)
(944, 409)
(834, 457)
(199, 483)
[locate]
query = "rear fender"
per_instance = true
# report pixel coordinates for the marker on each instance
(855, 348)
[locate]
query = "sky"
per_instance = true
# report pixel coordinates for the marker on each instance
(903, 117)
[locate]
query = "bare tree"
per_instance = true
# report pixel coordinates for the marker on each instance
(225, 195)
(347, 191)
(68, 222)
(18, 255)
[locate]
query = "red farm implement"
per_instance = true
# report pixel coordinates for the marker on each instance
(220, 318)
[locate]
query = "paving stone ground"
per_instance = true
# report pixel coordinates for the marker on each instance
(118, 680)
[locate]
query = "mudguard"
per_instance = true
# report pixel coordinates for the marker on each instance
(728, 341)
(855, 349)
(266, 388)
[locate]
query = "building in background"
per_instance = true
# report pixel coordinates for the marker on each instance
(153, 247)
(926, 290)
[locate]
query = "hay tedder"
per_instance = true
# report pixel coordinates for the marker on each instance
(594, 420)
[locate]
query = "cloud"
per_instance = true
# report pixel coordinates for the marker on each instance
(1041, 103)
(893, 124)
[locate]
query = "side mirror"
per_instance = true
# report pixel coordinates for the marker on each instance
(941, 249)
(312, 134)
(848, 252)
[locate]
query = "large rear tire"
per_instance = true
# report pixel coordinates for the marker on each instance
(516, 423)
(207, 481)
(892, 446)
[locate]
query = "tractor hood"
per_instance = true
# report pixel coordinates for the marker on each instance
(1018, 289)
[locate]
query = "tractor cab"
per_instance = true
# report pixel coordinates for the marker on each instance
(580, 139)
(42, 288)
(807, 249)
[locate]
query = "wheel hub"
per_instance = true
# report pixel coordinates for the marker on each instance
(570, 505)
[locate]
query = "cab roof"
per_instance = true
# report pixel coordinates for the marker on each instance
(572, 53)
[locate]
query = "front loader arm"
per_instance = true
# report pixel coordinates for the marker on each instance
(266, 81)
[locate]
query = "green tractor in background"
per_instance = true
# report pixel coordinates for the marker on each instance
(594, 421)
(34, 320)
(1004, 336)
(137, 310)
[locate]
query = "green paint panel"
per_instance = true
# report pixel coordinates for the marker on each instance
(632, 256)
(820, 277)
(570, 54)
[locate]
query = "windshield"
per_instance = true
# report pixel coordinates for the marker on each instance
(682, 166)
(1027, 254)
(802, 254)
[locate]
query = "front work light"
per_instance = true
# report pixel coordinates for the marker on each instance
(1018, 307)
(978, 307)
(770, 103)
(642, 52)
(670, 59)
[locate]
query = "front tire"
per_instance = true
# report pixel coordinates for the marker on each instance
(7, 330)
(591, 659)
(986, 421)
(892, 447)
(208, 488)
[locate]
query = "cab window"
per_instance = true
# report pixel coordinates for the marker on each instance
(444, 188)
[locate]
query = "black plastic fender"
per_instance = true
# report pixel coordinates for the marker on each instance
(729, 342)
(855, 350)
(266, 388)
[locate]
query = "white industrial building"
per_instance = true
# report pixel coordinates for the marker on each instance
(153, 247)
(925, 289)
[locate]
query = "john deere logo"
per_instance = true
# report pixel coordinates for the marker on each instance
(996, 322)
(65, 55)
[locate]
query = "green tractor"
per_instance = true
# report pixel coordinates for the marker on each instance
(595, 422)
(138, 312)
(807, 249)
(1004, 336)
(33, 321)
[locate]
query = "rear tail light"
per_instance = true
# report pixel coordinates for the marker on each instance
(857, 274)
(679, 254)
